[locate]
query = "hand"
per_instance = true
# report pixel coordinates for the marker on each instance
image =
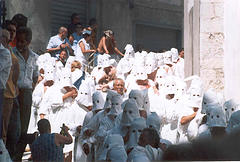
(79, 128)
(126, 138)
(68, 89)
(65, 128)
(86, 148)
(74, 93)
(107, 52)
(93, 51)
(62, 46)
(195, 109)
(88, 132)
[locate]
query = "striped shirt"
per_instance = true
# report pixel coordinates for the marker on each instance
(44, 148)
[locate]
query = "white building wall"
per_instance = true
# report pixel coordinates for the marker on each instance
(211, 43)
(232, 49)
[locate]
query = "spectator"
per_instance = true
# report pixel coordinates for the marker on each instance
(11, 91)
(19, 20)
(47, 147)
(76, 36)
(5, 66)
(93, 27)
(108, 45)
(83, 49)
(58, 42)
(27, 78)
(181, 53)
(75, 19)
(11, 27)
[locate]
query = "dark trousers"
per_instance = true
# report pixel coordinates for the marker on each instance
(1, 107)
(25, 103)
(14, 129)
(6, 114)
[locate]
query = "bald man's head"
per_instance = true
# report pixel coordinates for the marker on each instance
(63, 32)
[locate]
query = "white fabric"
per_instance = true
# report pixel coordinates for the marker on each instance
(217, 117)
(98, 101)
(137, 95)
(234, 122)
(153, 121)
(79, 56)
(113, 149)
(135, 130)
(230, 107)
(130, 112)
(84, 94)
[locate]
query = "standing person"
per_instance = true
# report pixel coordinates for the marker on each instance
(83, 49)
(11, 92)
(76, 36)
(181, 53)
(47, 147)
(28, 76)
(59, 42)
(75, 19)
(93, 28)
(5, 66)
(108, 45)
(19, 20)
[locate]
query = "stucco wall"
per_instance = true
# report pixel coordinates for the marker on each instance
(38, 13)
(118, 16)
(211, 43)
(231, 49)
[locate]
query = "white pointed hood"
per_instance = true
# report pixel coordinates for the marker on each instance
(130, 112)
(216, 116)
(230, 107)
(98, 101)
(84, 94)
(113, 149)
(136, 128)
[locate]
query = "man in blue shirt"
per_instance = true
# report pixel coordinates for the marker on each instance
(59, 42)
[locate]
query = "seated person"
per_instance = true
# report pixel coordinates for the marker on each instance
(47, 147)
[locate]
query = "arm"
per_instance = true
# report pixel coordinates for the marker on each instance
(120, 53)
(50, 46)
(60, 139)
(186, 119)
(72, 93)
(84, 51)
(104, 45)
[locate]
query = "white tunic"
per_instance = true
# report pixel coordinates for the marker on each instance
(82, 58)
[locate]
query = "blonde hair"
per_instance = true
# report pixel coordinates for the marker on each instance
(75, 64)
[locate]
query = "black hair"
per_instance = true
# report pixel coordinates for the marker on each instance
(20, 20)
(92, 21)
(152, 136)
(85, 35)
(27, 31)
(74, 15)
(7, 23)
(43, 126)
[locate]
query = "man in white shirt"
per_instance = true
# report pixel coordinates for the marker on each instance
(58, 42)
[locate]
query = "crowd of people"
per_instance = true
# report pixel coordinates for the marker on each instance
(130, 106)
